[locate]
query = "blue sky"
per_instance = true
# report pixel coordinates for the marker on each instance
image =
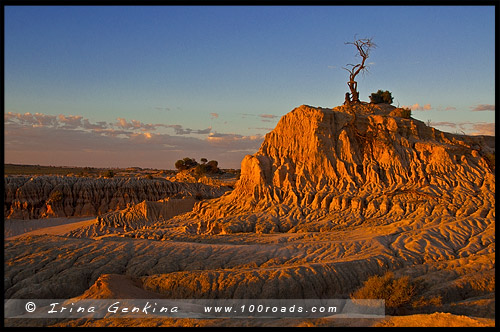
(144, 86)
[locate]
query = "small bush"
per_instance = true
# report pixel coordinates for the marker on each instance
(186, 163)
(206, 168)
(212, 166)
(108, 174)
(200, 170)
(55, 196)
(398, 293)
(380, 97)
(436, 301)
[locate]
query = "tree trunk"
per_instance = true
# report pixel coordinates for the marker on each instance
(354, 91)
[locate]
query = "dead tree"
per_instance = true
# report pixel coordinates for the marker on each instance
(363, 47)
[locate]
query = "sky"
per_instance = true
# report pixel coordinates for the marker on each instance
(144, 86)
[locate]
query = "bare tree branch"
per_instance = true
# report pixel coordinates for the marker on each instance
(363, 46)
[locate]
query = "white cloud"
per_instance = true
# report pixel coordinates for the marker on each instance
(483, 107)
(483, 129)
(37, 119)
(74, 140)
(233, 140)
(469, 128)
(71, 121)
(134, 124)
(203, 131)
(444, 124)
(98, 125)
(162, 108)
(268, 116)
(180, 130)
(418, 107)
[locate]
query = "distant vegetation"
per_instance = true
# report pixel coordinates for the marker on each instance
(108, 174)
(17, 169)
(206, 167)
(380, 97)
(186, 163)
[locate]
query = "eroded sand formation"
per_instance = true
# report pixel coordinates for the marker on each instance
(33, 197)
(330, 199)
(319, 169)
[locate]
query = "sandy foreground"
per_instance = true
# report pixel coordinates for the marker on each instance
(52, 226)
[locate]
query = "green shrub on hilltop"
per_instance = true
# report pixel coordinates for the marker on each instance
(380, 97)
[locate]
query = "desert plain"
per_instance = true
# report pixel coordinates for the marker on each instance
(334, 197)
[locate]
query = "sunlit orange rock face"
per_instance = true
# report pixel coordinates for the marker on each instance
(332, 197)
(320, 168)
